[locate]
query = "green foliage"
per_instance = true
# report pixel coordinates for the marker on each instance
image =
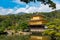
(19, 22)
(2, 29)
(49, 32)
(53, 28)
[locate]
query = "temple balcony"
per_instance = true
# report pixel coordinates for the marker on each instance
(37, 30)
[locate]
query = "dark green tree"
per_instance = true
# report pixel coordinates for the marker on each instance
(53, 29)
(49, 2)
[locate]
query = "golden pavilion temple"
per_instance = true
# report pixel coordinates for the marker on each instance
(37, 23)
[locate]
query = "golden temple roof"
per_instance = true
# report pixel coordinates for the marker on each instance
(37, 20)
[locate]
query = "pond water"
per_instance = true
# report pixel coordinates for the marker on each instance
(19, 37)
(14, 37)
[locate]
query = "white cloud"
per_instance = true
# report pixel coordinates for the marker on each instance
(4, 11)
(42, 8)
(57, 6)
(28, 9)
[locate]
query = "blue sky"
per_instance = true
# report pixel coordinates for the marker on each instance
(10, 4)
(15, 6)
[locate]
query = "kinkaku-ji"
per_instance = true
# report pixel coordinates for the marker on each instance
(37, 27)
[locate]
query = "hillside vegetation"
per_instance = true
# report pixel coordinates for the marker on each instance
(20, 21)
